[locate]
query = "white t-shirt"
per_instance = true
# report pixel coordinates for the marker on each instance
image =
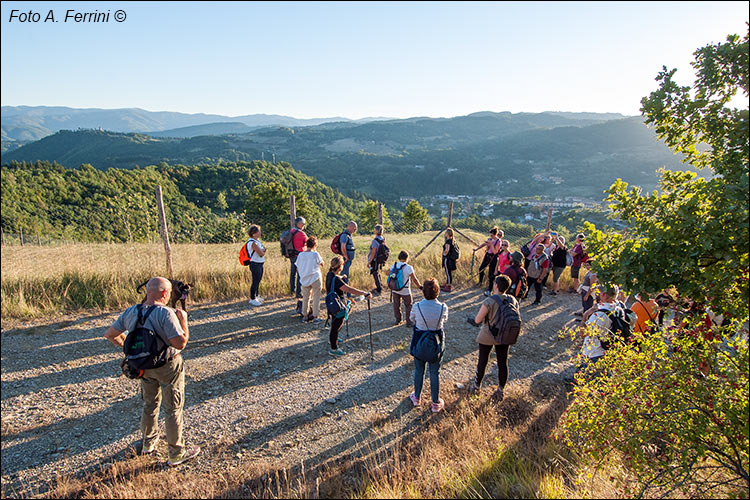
(254, 257)
(405, 277)
(308, 267)
(592, 346)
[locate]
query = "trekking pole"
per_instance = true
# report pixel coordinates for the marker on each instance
(369, 318)
(471, 271)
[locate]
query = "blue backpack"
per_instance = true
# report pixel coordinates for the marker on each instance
(427, 345)
(396, 277)
(335, 305)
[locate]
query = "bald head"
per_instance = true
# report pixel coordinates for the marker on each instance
(158, 288)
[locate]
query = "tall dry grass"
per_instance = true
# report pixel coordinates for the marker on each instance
(476, 448)
(40, 280)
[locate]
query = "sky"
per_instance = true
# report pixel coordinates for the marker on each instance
(354, 60)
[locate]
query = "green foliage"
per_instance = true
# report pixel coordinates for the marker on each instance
(416, 218)
(368, 217)
(203, 203)
(676, 408)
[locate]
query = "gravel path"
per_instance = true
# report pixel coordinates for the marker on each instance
(260, 385)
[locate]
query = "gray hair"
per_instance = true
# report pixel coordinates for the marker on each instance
(299, 220)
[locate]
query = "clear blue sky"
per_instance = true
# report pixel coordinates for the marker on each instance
(357, 59)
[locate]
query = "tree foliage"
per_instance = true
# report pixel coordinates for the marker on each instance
(675, 406)
(416, 218)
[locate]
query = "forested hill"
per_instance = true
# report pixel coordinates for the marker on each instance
(558, 154)
(202, 201)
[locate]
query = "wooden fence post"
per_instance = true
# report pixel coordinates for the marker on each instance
(20, 234)
(380, 213)
(163, 230)
(450, 214)
(292, 210)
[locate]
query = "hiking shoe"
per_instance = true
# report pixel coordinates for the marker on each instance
(148, 451)
(254, 302)
(486, 293)
(437, 407)
(577, 313)
(473, 387)
(188, 453)
(536, 302)
(259, 299)
(414, 399)
(408, 324)
(317, 321)
(553, 293)
(337, 352)
(498, 394)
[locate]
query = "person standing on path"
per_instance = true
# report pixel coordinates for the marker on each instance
(336, 281)
(428, 314)
(559, 260)
(450, 258)
(347, 246)
(167, 381)
(299, 238)
(309, 264)
(579, 254)
(538, 269)
(404, 293)
(257, 253)
(372, 259)
(486, 341)
(493, 245)
(517, 275)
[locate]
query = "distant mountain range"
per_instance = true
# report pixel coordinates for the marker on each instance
(22, 124)
(523, 154)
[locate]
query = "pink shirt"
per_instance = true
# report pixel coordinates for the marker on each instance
(503, 261)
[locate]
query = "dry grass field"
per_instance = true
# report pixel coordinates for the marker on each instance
(39, 280)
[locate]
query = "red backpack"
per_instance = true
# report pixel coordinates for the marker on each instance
(336, 244)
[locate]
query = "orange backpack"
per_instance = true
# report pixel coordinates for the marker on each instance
(244, 257)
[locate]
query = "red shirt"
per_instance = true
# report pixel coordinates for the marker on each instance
(299, 239)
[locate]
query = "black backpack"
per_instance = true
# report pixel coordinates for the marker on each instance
(454, 252)
(620, 327)
(382, 253)
(144, 349)
(505, 327)
(518, 282)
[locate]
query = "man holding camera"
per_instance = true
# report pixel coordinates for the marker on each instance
(171, 327)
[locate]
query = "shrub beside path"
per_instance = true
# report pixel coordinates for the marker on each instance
(260, 386)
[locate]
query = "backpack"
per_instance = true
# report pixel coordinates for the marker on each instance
(287, 243)
(143, 348)
(505, 327)
(427, 345)
(382, 253)
(335, 305)
(336, 244)
(518, 281)
(454, 253)
(535, 266)
(245, 259)
(620, 326)
(395, 279)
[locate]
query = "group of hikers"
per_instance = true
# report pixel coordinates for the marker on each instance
(153, 337)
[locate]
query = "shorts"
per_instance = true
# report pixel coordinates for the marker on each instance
(574, 270)
(556, 273)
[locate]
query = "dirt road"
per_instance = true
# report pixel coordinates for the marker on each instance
(260, 385)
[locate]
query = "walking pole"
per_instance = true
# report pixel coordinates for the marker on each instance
(471, 271)
(369, 318)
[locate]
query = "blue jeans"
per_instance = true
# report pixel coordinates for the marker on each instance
(419, 372)
(348, 263)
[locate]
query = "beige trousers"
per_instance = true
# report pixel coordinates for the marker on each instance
(167, 381)
(311, 293)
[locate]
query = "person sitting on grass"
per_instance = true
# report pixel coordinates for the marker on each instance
(428, 314)
(337, 282)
